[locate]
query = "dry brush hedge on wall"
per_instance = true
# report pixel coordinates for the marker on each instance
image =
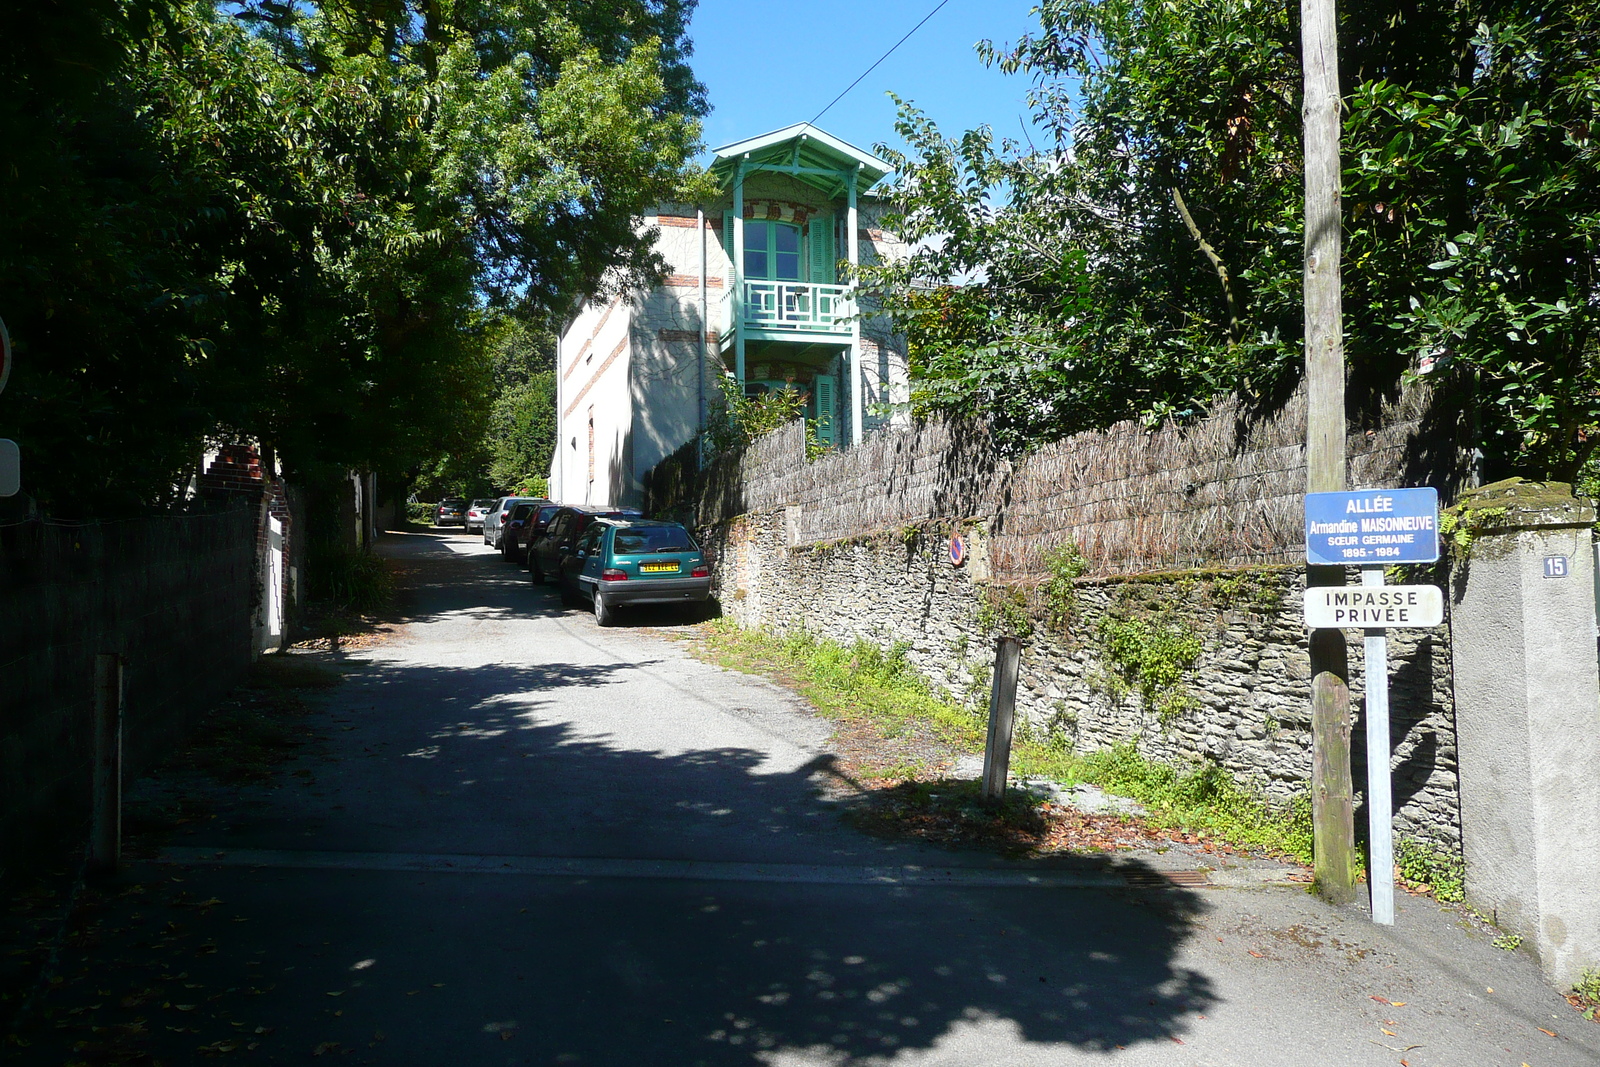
(1224, 491)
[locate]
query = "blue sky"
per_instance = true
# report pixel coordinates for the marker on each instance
(768, 64)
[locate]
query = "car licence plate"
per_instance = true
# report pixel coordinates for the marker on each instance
(657, 568)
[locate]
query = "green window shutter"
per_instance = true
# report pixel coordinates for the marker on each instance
(824, 393)
(823, 256)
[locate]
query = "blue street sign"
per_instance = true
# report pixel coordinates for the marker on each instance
(1372, 526)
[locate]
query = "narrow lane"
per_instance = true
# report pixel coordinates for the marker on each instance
(526, 840)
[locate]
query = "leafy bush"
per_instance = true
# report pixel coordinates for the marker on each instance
(422, 513)
(1587, 990)
(1066, 564)
(355, 581)
(1426, 865)
(1152, 658)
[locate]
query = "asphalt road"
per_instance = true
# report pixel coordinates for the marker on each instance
(526, 840)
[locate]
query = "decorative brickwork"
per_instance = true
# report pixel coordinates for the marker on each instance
(237, 469)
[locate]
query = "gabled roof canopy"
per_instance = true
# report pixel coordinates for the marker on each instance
(813, 156)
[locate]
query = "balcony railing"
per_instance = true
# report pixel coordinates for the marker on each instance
(802, 306)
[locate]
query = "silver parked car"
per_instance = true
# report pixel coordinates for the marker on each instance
(496, 515)
(475, 513)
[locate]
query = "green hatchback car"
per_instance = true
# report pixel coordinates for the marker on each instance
(618, 562)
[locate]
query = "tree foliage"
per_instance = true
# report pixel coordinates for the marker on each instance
(521, 427)
(1147, 258)
(288, 220)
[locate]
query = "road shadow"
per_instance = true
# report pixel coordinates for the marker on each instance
(178, 964)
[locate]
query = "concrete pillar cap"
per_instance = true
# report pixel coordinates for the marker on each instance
(1529, 504)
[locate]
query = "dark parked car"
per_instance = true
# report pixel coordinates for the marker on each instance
(565, 527)
(533, 528)
(451, 511)
(496, 515)
(617, 563)
(519, 528)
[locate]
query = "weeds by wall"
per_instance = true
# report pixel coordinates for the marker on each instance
(1155, 576)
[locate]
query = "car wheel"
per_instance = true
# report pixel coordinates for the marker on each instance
(569, 599)
(535, 571)
(604, 613)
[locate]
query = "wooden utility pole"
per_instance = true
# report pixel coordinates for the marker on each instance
(1332, 805)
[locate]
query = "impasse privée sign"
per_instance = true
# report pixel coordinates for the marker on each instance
(1372, 526)
(1373, 607)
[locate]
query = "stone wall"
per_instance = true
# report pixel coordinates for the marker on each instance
(1189, 530)
(1248, 692)
(172, 594)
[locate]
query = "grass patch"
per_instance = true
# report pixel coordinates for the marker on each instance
(860, 682)
(1203, 801)
(869, 688)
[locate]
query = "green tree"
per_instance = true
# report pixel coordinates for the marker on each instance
(1148, 259)
(521, 425)
(284, 220)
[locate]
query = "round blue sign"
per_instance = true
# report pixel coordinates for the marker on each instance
(958, 551)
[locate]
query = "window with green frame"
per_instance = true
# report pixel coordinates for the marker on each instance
(771, 250)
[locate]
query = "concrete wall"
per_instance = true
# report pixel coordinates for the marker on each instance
(174, 595)
(1248, 691)
(674, 365)
(592, 464)
(1529, 690)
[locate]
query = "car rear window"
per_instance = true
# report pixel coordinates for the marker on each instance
(547, 512)
(643, 540)
(520, 511)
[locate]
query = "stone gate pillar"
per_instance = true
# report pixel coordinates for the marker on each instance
(1527, 696)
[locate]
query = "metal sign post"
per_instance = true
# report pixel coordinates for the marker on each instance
(1374, 528)
(1380, 798)
(10, 455)
(5, 356)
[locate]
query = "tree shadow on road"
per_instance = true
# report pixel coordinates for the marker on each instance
(429, 965)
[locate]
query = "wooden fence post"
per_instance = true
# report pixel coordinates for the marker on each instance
(105, 835)
(1002, 715)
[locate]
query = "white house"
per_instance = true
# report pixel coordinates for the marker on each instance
(754, 292)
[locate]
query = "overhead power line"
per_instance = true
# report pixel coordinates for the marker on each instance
(880, 59)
